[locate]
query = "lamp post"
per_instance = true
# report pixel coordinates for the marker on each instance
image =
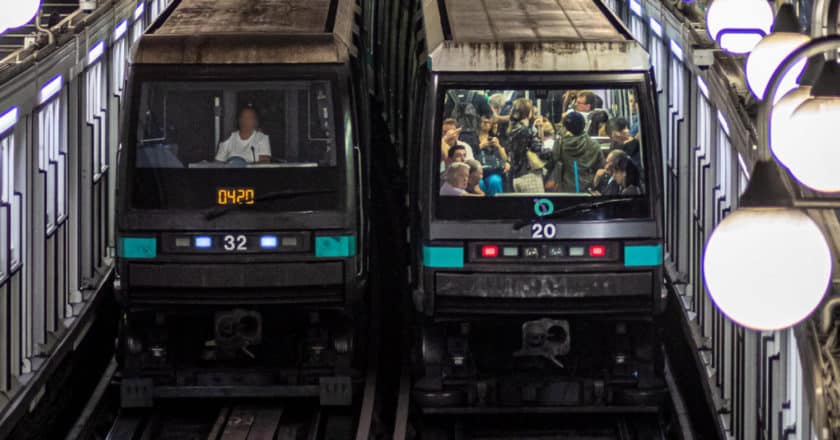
(767, 266)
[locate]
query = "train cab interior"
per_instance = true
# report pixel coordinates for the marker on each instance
(186, 131)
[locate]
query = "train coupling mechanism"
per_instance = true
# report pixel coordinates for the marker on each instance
(237, 330)
(545, 338)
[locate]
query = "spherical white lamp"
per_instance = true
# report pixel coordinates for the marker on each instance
(17, 13)
(766, 267)
(738, 25)
(783, 135)
(810, 147)
(769, 53)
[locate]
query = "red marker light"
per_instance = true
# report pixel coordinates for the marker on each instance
(597, 251)
(489, 251)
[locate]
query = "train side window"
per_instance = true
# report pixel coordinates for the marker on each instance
(51, 161)
(6, 186)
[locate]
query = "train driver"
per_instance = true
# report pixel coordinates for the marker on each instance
(246, 145)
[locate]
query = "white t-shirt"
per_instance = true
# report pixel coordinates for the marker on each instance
(248, 149)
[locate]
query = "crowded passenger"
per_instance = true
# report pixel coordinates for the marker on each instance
(585, 102)
(493, 159)
(523, 136)
(467, 107)
(457, 177)
(451, 137)
(534, 180)
(246, 145)
(578, 156)
(604, 182)
(626, 174)
(634, 114)
(598, 119)
(476, 177)
(620, 138)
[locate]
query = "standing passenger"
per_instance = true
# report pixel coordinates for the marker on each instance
(493, 159)
(523, 137)
(578, 155)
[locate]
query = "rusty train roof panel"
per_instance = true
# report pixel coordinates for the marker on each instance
(528, 35)
(251, 32)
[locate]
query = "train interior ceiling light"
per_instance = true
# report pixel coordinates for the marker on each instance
(738, 25)
(765, 58)
(767, 266)
(16, 13)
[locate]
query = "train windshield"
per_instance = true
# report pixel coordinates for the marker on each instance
(501, 150)
(202, 144)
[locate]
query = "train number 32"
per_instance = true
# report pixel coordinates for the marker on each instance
(539, 230)
(236, 243)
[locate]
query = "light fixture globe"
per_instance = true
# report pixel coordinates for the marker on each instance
(17, 13)
(813, 144)
(766, 57)
(738, 25)
(767, 268)
(784, 138)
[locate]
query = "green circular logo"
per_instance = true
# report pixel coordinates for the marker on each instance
(543, 207)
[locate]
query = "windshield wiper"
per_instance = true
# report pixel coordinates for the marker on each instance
(219, 211)
(572, 209)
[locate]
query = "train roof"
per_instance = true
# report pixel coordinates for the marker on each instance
(251, 32)
(528, 35)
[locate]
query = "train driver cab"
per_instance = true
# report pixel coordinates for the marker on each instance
(272, 135)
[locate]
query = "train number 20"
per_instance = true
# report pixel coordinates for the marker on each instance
(236, 243)
(539, 230)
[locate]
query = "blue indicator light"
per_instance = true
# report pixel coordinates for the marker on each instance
(268, 242)
(203, 242)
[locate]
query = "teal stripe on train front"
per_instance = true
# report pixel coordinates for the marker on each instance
(443, 257)
(138, 247)
(643, 255)
(337, 246)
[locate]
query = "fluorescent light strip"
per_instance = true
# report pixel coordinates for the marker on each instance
(677, 50)
(8, 119)
(50, 89)
(656, 27)
(723, 124)
(636, 7)
(138, 12)
(119, 31)
(96, 52)
(743, 164)
(704, 89)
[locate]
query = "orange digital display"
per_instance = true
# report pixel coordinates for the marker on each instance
(235, 196)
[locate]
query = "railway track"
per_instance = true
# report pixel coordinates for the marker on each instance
(241, 420)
